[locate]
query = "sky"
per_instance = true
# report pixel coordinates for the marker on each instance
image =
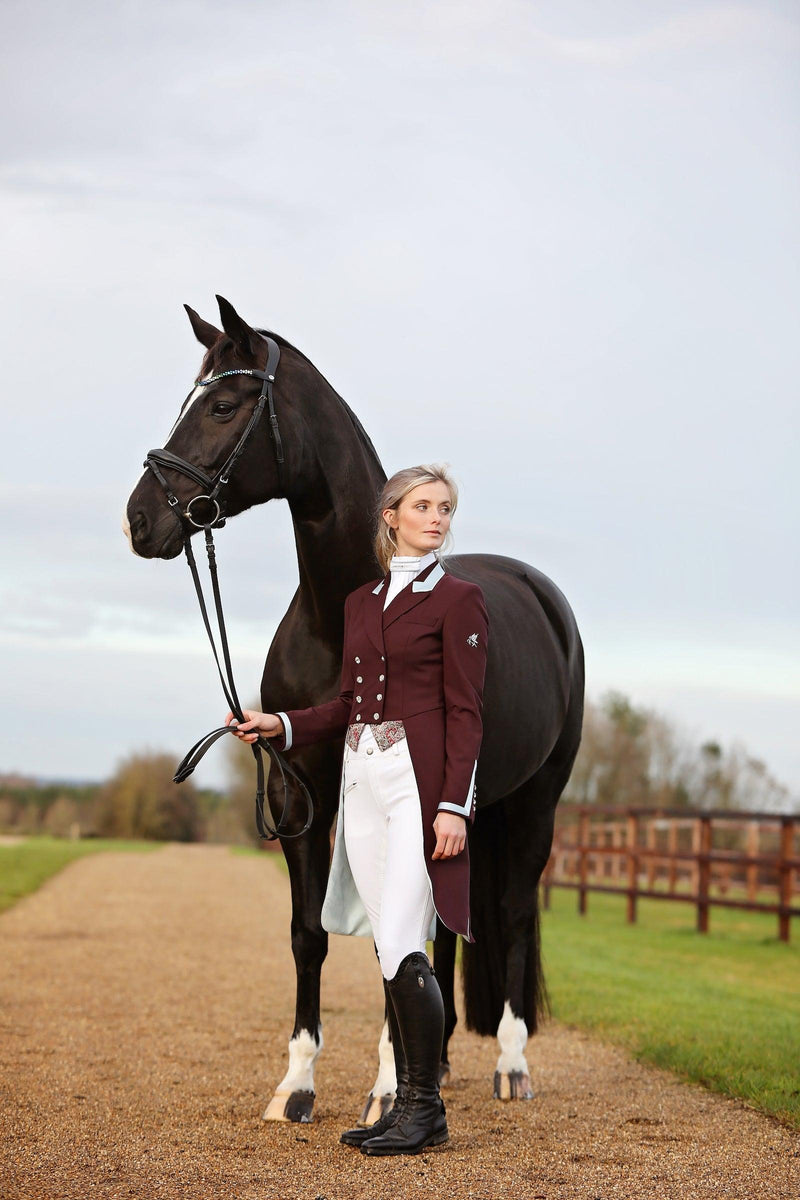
(553, 244)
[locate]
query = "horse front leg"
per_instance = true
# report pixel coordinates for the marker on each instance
(384, 1089)
(307, 858)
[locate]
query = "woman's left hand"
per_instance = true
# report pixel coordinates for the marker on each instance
(451, 835)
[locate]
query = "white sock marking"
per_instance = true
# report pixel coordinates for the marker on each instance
(512, 1034)
(303, 1052)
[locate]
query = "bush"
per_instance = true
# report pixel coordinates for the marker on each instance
(141, 801)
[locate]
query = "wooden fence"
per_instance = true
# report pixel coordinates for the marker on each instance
(722, 859)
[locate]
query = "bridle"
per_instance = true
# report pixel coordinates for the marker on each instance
(191, 515)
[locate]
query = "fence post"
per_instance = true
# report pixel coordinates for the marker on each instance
(633, 866)
(704, 873)
(785, 877)
(751, 870)
(672, 846)
(650, 841)
(583, 859)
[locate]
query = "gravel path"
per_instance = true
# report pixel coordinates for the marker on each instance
(146, 1004)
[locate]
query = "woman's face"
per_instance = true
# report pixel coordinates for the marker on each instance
(422, 518)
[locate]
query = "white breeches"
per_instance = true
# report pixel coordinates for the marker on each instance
(383, 838)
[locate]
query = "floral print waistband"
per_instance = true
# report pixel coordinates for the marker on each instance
(385, 734)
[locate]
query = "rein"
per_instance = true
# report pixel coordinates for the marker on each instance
(215, 518)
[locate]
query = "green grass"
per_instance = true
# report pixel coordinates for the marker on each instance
(273, 856)
(721, 1009)
(24, 866)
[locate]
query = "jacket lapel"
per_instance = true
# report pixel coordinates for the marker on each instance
(373, 613)
(413, 593)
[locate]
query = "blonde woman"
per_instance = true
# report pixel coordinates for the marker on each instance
(409, 706)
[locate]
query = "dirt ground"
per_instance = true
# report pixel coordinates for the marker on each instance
(146, 1005)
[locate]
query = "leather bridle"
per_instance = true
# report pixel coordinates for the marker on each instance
(190, 516)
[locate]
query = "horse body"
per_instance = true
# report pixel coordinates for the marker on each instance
(533, 695)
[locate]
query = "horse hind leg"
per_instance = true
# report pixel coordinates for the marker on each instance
(529, 820)
(512, 1078)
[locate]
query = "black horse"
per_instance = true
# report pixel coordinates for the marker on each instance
(533, 699)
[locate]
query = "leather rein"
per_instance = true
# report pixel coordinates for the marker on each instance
(206, 511)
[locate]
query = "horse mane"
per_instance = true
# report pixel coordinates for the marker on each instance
(225, 346)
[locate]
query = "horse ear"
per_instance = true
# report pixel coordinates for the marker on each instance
(205, 332)
(236, 328)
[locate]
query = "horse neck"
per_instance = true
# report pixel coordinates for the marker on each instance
(332, 511)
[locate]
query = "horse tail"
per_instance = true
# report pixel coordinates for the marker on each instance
(483, 962)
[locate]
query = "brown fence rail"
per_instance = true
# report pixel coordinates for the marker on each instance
(714, 858)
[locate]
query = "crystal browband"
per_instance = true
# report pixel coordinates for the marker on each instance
(385, 734)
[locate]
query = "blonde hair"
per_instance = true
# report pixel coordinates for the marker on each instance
(400, 484)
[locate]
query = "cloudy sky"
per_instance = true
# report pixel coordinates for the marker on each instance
(554, 244)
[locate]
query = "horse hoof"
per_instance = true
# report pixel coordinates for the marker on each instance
(444, 1074)
(375, 1108)
(291, 1106)
(514, 1085)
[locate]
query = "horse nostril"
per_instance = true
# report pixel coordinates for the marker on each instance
(139, 524)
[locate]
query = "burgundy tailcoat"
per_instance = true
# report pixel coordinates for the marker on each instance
(421, 661)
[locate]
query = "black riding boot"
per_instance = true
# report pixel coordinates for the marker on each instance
(355, 1137)
(420, 1015)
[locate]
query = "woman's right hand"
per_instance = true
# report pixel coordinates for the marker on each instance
(255, 723)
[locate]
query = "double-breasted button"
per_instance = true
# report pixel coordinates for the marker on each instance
(360, 680)
(358, 718)
(380, 677)
(358, 659)
(379, 696)
(382, 659)
(376, 716)
(358, 698)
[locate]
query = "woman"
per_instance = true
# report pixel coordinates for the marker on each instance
(410, 704)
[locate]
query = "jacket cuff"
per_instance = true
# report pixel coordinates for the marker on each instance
(467, 809)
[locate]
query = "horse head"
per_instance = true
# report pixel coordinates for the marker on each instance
(212, 421)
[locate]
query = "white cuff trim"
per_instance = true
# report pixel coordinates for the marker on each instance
(464, 809)
(453, 808)
(287, 725)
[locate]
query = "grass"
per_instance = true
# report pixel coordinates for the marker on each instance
(26, 865)
(721, 1009)
(274, 856)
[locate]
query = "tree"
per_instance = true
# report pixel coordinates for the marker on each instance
(141, 801)
(635, 757)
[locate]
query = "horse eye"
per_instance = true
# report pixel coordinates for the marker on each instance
(222, 409)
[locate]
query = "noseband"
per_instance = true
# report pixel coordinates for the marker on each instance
(192, 516)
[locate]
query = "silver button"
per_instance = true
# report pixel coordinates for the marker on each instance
(358, 659)
(360, 680)
(358, 718)
(382, 659)
(379, 696)
(358, 698)
(377, 716)
(369, 749)
(380, 677)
